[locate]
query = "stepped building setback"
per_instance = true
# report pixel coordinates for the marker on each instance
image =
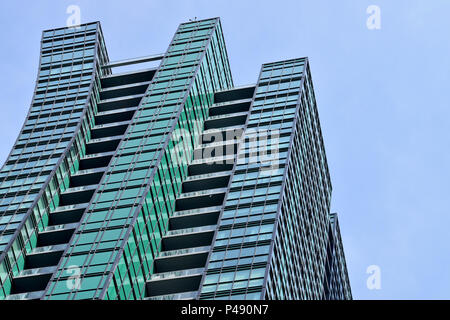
(167, 182)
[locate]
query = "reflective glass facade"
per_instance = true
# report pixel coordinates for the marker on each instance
(169, 182)
(238, 263)
(50, 144)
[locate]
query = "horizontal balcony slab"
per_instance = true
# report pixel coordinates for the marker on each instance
(87, 177)
(44, 256)
(199, 177)
(176, 274)
(188, 239)
(97, 155)
(232, 132)
(185, 231)
(125, 78)
(227, 120)
(200, 199)
(178, 262)
(132, 89)
(236, 93)
(229, 107)
(60, 227)
(79, 189)
(36, 271)
(122, 107)
(57, 234)
(77, 195)
(195, 194)
(183, 252)
(194, 220)
(213, 150)
(35, 295)
(196, 211)
(173, 285)
(31, 282)
(213, 143)
(109, 129)
(107, 144)
(46, 249)
(117, 115)
(67, 214)
(211, 165)
(191, 295)
(127, 62)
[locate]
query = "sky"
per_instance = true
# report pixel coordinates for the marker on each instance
(383, 97)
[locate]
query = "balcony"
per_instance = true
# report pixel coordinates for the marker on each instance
(216, 149)
(194, 218)
(125, 78)
(222, 134)
(116, 115)
(174, 284)
(95, 160)
(236, 93)
(44, 256)
(188, 238)
(67, 214)
(181, 259)
(58, 234)
(87, 177)
(210, 165)
(229, 107)
(35, 295)
(32, 280)
(200, 199)
(77, 195)
(109, 129)
(226, 120)
(179, 296)
(124, 90)
(101, 145)
(213, 180)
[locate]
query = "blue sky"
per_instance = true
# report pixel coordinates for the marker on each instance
(383, 98)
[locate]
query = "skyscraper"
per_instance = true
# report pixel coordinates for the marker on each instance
(168, 182)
